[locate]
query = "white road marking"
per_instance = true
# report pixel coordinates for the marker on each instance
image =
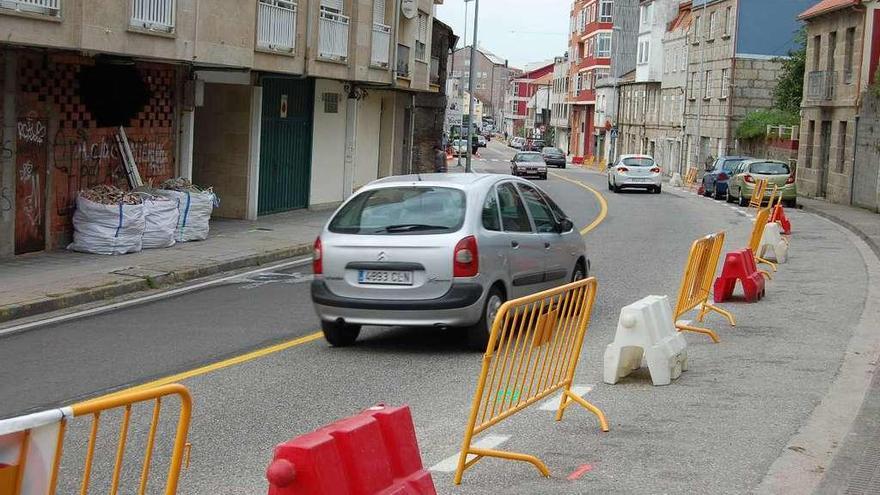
(450, 464)
(143, 299)
(553, 404)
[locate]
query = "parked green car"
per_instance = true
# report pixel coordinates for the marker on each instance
(777, 173)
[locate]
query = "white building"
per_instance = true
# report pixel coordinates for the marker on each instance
(559, 107)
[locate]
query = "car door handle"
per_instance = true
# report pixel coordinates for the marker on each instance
(514, 244)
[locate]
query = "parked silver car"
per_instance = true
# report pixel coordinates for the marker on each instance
(445, 250)
(636, 171)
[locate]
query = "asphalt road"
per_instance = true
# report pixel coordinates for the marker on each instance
(715, 430)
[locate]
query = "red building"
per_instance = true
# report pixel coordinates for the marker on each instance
(590, 55)
(519, 93)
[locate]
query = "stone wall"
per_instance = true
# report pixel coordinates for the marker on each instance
(866, 191)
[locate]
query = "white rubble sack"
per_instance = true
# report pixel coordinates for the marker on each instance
(160, 219)
(676, 181)
(107, 229)
(773, 246)
(194, 210)
(646, 329)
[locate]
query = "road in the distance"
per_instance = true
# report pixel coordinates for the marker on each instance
(715, 430)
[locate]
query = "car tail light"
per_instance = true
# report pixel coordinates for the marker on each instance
(748, 178)
(655, 170)
(622, 169)
(318, 258)
(466, 258)
(790, 179)
(722, 176)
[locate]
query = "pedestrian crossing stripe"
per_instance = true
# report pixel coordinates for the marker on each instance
(450, 464)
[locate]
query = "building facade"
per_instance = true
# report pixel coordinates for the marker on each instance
(492, 75)
(843, 48)
(673, 89)
(520, 91)
(559, 107)
(276, 104)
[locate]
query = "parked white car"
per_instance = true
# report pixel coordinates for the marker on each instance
(517, 143)
(635, 171)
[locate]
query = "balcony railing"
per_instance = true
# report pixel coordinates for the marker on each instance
(402, 68)
(820, 85)
(333, 32)
(50, 7)
(381, 45)
(155, 15)
(276, 25)
(435, 70)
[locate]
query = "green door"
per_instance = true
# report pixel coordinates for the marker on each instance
(285, 144)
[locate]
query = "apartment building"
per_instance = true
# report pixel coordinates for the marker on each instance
(673, 89)
(732, 68)
(520, 91)
(492, 75)
(559, 107)
(838, 158)
(602, 44)
(277, 104)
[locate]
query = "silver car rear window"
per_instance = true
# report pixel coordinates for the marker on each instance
(638, 162)
(405, 210)
(769, 168)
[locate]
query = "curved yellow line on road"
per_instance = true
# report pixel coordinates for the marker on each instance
(603, 205)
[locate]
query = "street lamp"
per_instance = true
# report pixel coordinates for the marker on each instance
(472, 74)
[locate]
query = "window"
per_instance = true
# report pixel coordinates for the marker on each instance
(331, 102)
(808, 149)
(46, 7)
(841, 146)
(817, 50)
(848, 55)
(402, 211)
(513, 214)
(151, 14)
(707, 85)
(603, 45)
(728, 21)
(695, 30)
(644, 50)
(545, 222)
(422, 38)
(832, 48)
(713, 20)
(682, 52)
(725, 82)
(491, 220)
(691, 85)
(605, 10)
(379, 12)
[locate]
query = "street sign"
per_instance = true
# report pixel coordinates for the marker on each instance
(614, 132)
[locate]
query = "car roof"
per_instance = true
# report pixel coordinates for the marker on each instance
(528, 153)
(449, 180)
(734, 157)
(762, 160)
(636, 156)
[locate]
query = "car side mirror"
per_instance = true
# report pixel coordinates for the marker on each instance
(564, 225)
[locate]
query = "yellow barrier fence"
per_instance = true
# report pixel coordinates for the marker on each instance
(758, 194)
(44, 433)
(761, 220)
(602, 165)
(690, 177)
(696, 284)
(533, 351)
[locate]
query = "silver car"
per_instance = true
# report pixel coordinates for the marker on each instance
(441, 250)
(635, 171)
(529, 163)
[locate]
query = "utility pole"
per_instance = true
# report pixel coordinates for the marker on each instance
(468, 166)
(461, 86)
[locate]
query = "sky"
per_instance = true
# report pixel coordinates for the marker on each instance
(522, 31)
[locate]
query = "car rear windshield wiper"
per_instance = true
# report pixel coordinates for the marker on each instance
(410, 227)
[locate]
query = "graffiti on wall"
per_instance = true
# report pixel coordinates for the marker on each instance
(30, 232)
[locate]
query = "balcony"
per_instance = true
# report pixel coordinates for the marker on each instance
(333, 36)
(435, 70)
(402, 68)
(820, 85)
(276, 25)
(48, 7)
(381, 45)
(153, 15)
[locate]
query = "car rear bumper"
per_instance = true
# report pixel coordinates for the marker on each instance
(789, 191)
(461, 305)
(646, 182)
(541, 172)
(556, 162)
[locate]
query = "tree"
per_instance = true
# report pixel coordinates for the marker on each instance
(789, 89)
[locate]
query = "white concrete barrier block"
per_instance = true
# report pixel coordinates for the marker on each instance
(774, 247)
(676, 180)
(646, 330)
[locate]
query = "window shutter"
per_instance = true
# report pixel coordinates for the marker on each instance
(334, 5)
(379, 11)
(423, 27)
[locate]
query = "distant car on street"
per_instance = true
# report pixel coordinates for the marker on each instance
(528, 164)
(747, 173)
(553, 156)
(634, 171)
(517, 143)
(533, 145)
(717, 175)
(482, 141)
(459, 147)
(444, 251)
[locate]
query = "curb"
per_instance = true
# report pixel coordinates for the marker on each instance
(87, 295)
(848, 226)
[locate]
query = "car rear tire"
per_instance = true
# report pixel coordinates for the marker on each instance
(715, 194)
(790, 203)
(706, 191)
(340, 334)
(742, 200)
(579, 272)
(616, 188)
(658, 189)
(610, 187)
(543, 177)
(478, 333)
(728, 197)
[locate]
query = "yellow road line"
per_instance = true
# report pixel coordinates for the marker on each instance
(219, 365)
(603, 205)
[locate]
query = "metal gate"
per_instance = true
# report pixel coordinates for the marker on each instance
(285, 144)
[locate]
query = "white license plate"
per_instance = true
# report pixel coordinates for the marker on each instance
(636, 179)
(385, 277)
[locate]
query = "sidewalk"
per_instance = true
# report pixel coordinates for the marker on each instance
(856, 467)
(42, 282)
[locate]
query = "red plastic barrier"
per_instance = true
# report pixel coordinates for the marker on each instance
(740, 265)
(372, 453)
(578, 160)
(779, 217)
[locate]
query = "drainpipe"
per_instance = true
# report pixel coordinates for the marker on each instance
(412, 131)
(308, 42)
(852, 169)
(392, 68)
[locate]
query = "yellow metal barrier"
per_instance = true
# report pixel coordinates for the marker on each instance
(590, 161)
(758, 194)
(761, 220)
(775, 197)
(95, 408)
(533, 351)
(602, 165)
(696, 284)
(690, 177)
